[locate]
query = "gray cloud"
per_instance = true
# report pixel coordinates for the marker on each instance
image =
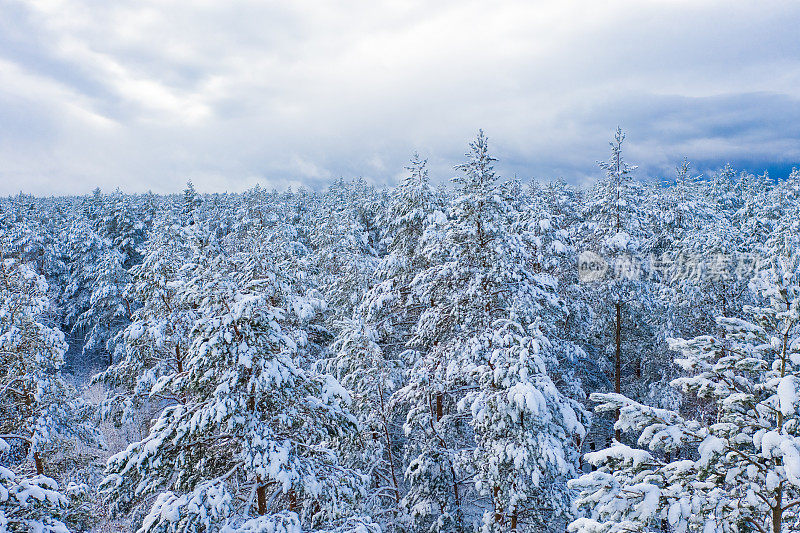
(143, 95)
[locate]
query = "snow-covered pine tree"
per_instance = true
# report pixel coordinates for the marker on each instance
(109, 309)
(33, 235)
(689, 203)
(526, 431)
(191, 201)
(31, 503)
(84, 250)
(370, 352)
(388, 305)
(343, 250)
(736, 470)
(617, 227)
(480, 341)
(266, 241)
(156, 341)
(249, 434)
(120, 224)
(547, 219)
(39, 412)
(40, 409)
(754, 215)
(684, 268)
(711, 262)
(363, 368)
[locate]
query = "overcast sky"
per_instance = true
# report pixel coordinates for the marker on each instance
(147, 94)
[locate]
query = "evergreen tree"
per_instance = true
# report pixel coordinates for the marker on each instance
(616, 226)
(482, 326)
(743, 470)
(156, 341)
(250, 433)
(40, 413)
(371, 377)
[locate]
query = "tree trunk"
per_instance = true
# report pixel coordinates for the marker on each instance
(178, 358)
(439, 415)
(261, 494)
(498, 509)
(37, 459)
(618, 359)
(389, 446)
(777, 512)
(261, 490)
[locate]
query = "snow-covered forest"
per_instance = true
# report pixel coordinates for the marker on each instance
(486, 355)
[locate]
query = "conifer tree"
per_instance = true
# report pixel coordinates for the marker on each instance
(616, 226)
(742, 469)
(39, 412)
(156, 341)
(250, 434)
(481, 328)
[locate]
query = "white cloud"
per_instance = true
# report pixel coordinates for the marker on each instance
(146, 94)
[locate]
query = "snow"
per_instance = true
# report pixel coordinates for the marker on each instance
(351, 347)
(619, 241)
(787, 395)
